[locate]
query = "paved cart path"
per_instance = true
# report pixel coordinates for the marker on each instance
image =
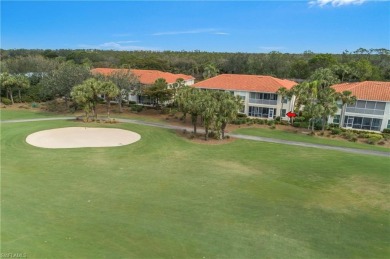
(239, 136)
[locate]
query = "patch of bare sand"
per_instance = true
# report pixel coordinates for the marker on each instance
(79, 137)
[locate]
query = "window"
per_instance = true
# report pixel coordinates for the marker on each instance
(283, 113)
(336, 119)
(259, 112)
(388, 124)
(367, 107)
(263, 98)
(283, 100)
(363, 123)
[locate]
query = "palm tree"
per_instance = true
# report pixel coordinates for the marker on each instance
(346, 98)
(210, 71)
(283, 92)
(228, 107)
(327, 98)
(109, 90)
(12, 82)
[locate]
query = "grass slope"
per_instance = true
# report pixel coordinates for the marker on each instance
(25, 114)
(167, 197)
(285, 135)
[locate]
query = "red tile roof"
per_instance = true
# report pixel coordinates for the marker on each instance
(146, 77)
(250, 83)
(367, 90)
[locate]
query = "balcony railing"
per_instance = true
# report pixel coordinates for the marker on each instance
(262, 101)
(365, 111)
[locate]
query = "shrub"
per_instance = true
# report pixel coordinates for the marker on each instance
(386, 131)
(34, 105)
(270, 122)
(132, 102)
(374, 138)
(27, 99)
(296, 124)
(372, 141)
(136, 108)
(277, 118)
(299, 119)
(272, 127)
(6, 101)
(165, 110)
(386, 136)
(241, 115)
(335, 131)
(350, 136)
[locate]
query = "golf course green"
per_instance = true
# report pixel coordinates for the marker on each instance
(167, 197)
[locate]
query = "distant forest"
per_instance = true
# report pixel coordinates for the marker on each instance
(359, 65)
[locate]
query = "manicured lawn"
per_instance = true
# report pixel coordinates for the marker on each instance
(285, 135)
(8, 114)
(166, 197)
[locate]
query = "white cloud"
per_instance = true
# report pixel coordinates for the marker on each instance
(322, 3)
(196, 31)
(118, 45)
(122, 35)
(221, 33)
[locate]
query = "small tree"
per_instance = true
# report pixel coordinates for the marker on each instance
(208, 109)
(109, 90)
(87, 94)
(227, 109)
(61, 81)
(283, 92)
(13, 82)
(159, 92)
(346, 98)
(127, 83)
(189, 102)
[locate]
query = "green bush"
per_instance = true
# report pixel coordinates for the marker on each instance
(242, 115)
(132, 102)
(372, 141)
(386, 131)
(333, 125)
(299, 119)
(350, 136)
(27, 99)
(296, 124)
(270, 122)
(136, 108)
(386, 136)
(6, 101)
(335, 131)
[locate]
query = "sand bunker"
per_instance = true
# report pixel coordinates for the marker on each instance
(78, 137)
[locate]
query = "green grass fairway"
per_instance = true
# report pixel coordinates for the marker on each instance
(26, 114)
(165, 197)
(285, 135)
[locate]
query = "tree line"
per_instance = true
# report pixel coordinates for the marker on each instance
(359, 65)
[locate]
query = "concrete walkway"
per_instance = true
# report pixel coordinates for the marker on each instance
(239, 136)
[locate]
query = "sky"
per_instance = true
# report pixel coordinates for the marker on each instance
(321, 26)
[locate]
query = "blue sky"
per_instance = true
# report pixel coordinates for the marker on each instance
(322, 26)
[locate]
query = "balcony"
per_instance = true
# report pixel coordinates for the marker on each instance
(365, 111)
(262, 101)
